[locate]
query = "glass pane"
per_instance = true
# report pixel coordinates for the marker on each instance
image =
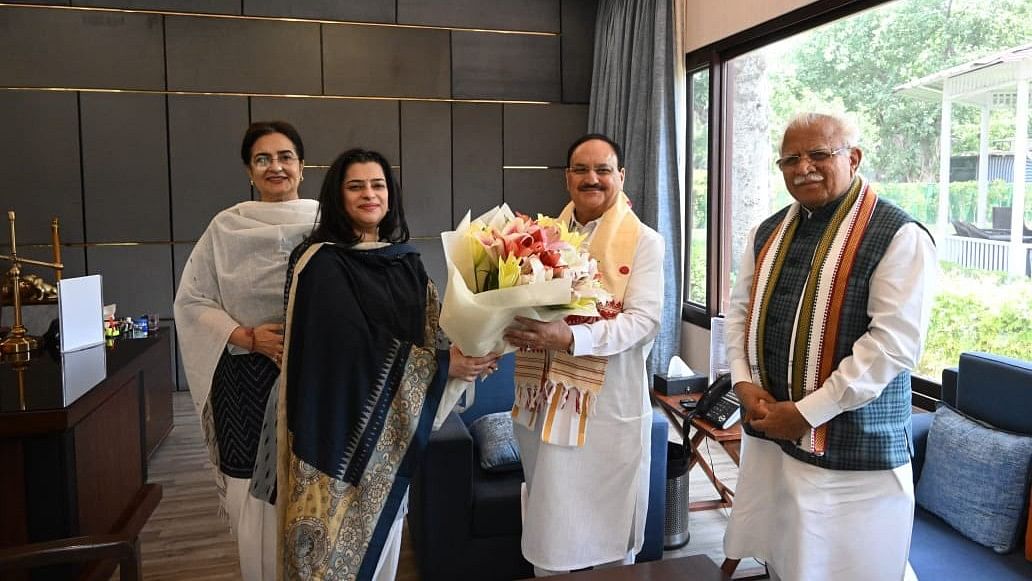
(877, 67)
(698, 210)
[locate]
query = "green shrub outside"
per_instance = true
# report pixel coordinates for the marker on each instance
(977, 310)
(922, 200)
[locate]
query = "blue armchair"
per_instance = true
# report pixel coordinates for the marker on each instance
(996, 390)
(465, 522)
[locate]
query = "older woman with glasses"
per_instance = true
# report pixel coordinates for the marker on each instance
(229, 317)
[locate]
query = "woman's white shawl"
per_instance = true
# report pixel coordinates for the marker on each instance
(235, 276)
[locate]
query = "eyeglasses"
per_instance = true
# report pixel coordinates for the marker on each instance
(583, 170)
(816, 156)
(264, 160)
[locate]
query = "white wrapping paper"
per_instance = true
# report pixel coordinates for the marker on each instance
(475, 322)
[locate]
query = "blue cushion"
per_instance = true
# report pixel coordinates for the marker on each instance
(493, 437)
(975, 478)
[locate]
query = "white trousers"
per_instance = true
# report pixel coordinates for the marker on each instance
(810, 523)
(628, 560)
(254, 526)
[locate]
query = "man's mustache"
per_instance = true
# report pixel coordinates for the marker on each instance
(808, 178)
(589, 187)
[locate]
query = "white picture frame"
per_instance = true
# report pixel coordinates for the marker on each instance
(80, 304)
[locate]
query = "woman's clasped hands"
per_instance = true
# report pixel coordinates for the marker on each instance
(467, 368)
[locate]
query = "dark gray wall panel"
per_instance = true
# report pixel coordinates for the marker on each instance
(432, 254)
(426, 163)
(578, 45)
(386, 62)
(251, 56)
(180, 254)
(488, 65)
(137, 278)
(204, 157)
(476, 158)
(47, 2)
(125, 167)
(531, 15)
(330, 126)
(83, 49)
(198, 6)
(541, 134)
(312, 183)
(43, 130)
(534, 191)
(355, 10)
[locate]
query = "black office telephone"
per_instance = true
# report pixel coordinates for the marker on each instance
(719, 404)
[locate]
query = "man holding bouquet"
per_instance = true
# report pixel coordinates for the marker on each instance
(582, 412)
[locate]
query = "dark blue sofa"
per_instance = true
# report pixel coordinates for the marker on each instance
(465, 522)
(998, 391)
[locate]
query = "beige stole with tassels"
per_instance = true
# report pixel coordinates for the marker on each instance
(562, 386)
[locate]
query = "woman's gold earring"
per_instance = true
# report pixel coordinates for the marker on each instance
(252, 183)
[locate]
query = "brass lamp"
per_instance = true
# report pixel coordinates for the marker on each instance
(18, 340)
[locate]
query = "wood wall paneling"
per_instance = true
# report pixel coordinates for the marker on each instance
(106, 441)
(207, 173)
(476, 158)
(487, 65)
(381, 61)
(83, 49)
(125, 167)
(536, 190)
(330, 126)
(353, 10)
(236, 55)
(542, 134)
(137, 278)
(44, 148)
(426, 165)
(577, 41)
(525, 15)
(198, 6)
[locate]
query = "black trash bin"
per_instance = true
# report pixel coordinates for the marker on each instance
(675, 523)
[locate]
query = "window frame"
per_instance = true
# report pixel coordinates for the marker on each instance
(715, 57)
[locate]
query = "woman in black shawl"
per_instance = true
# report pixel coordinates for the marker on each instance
(364, 382)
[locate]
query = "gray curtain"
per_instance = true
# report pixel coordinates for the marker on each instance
(633, 101)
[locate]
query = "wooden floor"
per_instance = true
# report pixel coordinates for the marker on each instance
(186, 540)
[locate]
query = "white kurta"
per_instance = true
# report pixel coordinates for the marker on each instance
(586, 506)
(813, 523)
(235, 276)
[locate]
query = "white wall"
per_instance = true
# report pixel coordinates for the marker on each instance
(708, 21)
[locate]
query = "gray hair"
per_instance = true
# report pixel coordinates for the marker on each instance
(846, 126)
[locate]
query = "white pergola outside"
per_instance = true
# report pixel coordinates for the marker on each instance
(995, 81)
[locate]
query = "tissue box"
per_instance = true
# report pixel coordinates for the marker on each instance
(678, 385)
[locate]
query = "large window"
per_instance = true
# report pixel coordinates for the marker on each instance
(697, 221)
(878, 66)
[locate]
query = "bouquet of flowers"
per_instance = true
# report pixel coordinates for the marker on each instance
(501, 265)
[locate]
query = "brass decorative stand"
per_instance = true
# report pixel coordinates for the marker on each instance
(18, 341)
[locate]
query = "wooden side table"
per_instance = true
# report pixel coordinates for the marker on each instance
(730, 440)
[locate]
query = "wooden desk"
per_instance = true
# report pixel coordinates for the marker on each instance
(693, 568)
(730, 440)
(79, 469)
